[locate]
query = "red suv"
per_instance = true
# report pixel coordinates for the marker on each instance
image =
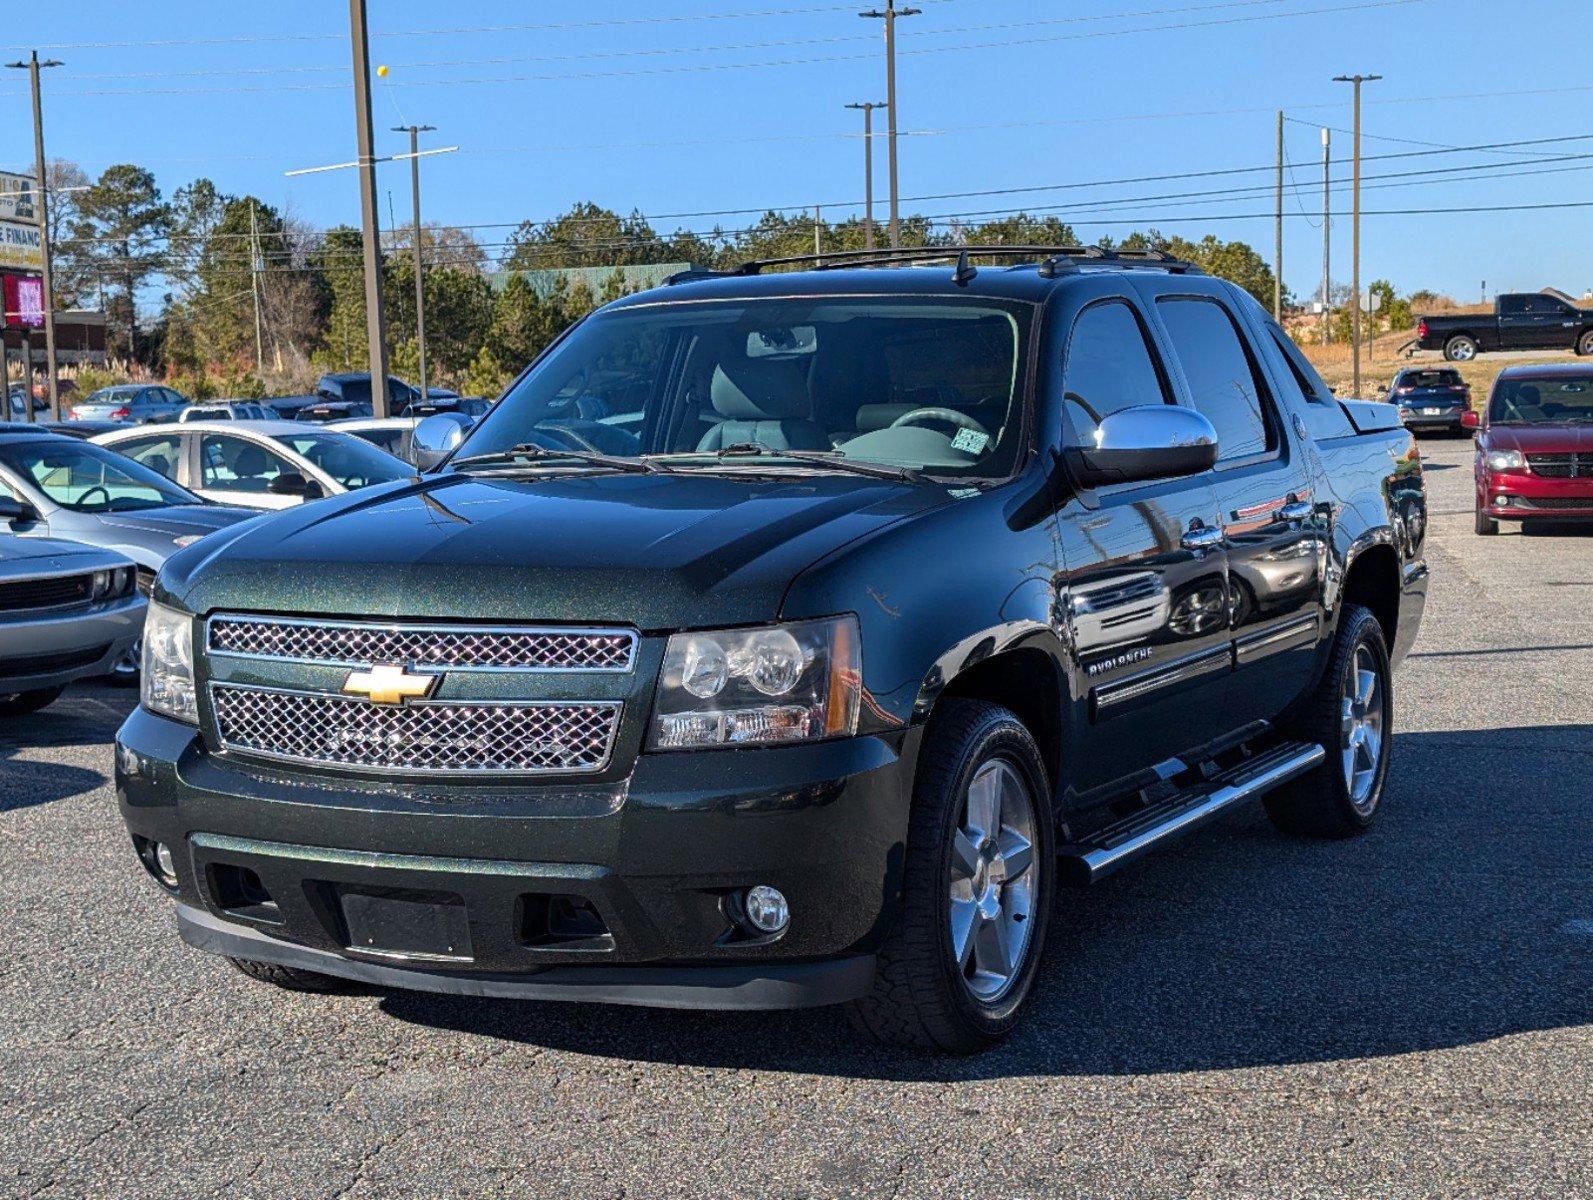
(1535, 446)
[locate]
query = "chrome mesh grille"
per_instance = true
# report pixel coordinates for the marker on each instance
(348, 644)
(429, 737)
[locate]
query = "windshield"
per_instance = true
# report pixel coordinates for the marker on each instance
(1430, 379)
(918, 383)
(89, 478)
(349, 460)
(1542, 401)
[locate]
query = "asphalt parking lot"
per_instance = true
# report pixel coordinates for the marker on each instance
(1407, 1014)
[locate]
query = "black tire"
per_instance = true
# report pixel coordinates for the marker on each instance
(920, 999)
(1584, 344)
(1486, 526)
(1320, 804)
(290, 978)
(17, 704)
(1460, 348)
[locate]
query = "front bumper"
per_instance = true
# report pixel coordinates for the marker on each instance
(658, 858)
(1531, 495)
(52, 651)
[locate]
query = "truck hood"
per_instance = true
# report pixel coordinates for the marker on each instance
(1544, 438)
(653, 551)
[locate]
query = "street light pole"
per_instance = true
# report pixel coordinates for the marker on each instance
(420, 277)
(1327, 235)
(1355, 233)
(889, 14)
(42, 210)
(370, 213)
(868, 108)
(1277, 233)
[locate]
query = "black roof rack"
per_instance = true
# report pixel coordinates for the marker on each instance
(1053, 260)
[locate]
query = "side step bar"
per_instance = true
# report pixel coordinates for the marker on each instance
(1104, 851)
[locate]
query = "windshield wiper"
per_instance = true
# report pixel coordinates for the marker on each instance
(823, 458)
(533, 452)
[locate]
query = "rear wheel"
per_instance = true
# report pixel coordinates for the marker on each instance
(1351, 716)
(1460, 348)
(290, 978)
(16, 704)
(954, 974)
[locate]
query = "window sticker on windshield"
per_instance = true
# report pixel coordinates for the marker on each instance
(970, 441)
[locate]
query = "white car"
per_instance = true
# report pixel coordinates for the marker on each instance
(226, 410)
(392, 434)
(258, 464)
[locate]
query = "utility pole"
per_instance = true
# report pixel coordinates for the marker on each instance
(420, 276)
(42, 210)
(868, 169)
(818, 226)
(1327, 236)
(889, 15)
(1355, 232)
(375, 323)
(1277, 235)
(254, 285)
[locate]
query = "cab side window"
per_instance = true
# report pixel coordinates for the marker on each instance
(1224, 380)
(1109, 367)
(160, 454)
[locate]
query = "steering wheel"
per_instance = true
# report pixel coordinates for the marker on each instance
(84, 498)
(949, 415)
(571, 439)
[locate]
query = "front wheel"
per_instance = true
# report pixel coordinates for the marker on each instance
(290, 979)
(1460, 348)
(1584, 344)
(1486, 525)
(1351, 716)
(954, 973)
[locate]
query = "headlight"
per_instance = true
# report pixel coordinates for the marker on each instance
(167, 681)
(738, 687)
(1505, 460)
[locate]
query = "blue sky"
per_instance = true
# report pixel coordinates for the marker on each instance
(681, 107)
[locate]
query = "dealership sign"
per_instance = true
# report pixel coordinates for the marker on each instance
(18, 198)
(20, 246)
(24, 301)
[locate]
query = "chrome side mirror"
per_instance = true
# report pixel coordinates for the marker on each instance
(434, 439)
(1148, 441)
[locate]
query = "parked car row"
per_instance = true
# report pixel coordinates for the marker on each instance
(123, 495)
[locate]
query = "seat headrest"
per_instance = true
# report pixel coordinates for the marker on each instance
(770, 389)
(251, 460)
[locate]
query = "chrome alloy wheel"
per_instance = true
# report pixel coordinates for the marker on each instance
(1361, 728)
(994, 881)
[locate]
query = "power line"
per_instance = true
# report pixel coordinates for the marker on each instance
(699, 68)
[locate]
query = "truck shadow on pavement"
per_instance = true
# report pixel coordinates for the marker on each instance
(86, 718)
(1459, 918)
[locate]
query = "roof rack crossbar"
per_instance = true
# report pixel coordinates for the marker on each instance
(1053, 260)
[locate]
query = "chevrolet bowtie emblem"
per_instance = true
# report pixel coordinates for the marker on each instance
(389, 685)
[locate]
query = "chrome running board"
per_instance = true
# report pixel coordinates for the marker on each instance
(1103, 852)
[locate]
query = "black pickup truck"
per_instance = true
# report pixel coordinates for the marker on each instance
(896, 599)
(1546, 320)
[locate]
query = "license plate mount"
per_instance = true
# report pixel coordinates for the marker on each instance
(392, 923)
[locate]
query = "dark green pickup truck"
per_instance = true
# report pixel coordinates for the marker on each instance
(788, 638)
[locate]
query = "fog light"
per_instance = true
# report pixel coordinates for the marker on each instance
(766, 909)
(165, 864)
(1502, 500)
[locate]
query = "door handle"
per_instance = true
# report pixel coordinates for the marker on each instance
(1202, 537)
(1295, 510)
